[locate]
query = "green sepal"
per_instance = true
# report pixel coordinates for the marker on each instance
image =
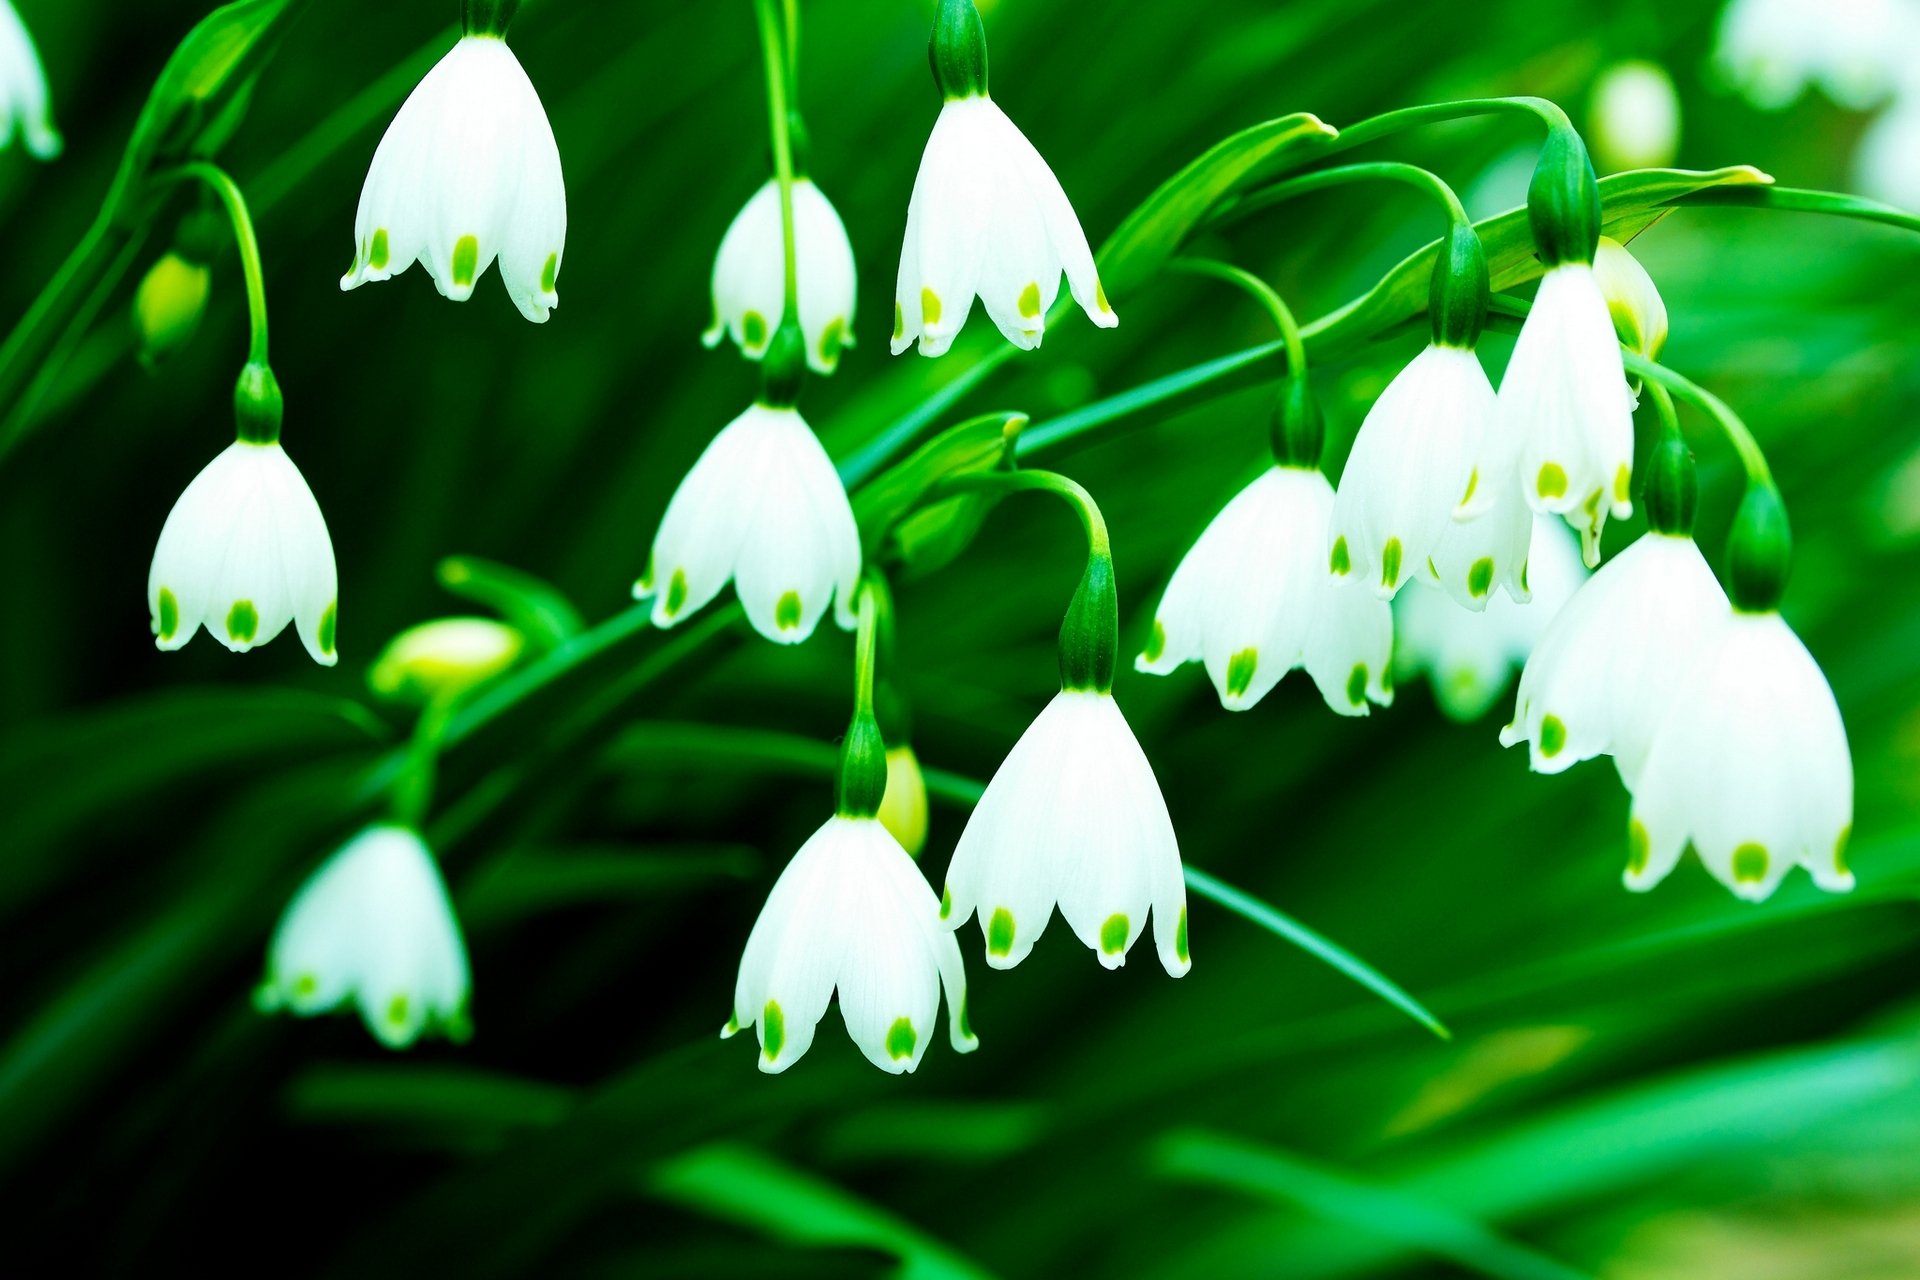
(1457, 303)
(257, 405)
(863, 768)
(958, 50)
(1299, 427)
(784, 367)
(1759, 551)
(487, 17)
(1673, 490)
(1563, 201)
(1090, 635)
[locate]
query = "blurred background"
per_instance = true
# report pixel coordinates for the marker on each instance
(1669, 1085)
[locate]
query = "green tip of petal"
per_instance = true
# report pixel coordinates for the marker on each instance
(1750, 864)
(676, 592)
(1113, 934)
(1639, 847)
(773, 1030)
(550, 274)
(786, 612)
(1340, 562)
(169, 621)
(832, 338)
(379, 254)
(1553, 736)
(901, 1038)
(243, 622)
(1357, 684)
(328, 621)
(1240, 669)
(1552, 482)
(1030, 301)
(1156, 642)
(397, 1010)
(753, 329)
(946, 902)
(1000, 932)
(1840, 852)
(1473, 482)
(899, 323)
(1390, 563)
(1623, 483)
(466, 261)
(1180, 938)
(1480, 578)
(929, 308)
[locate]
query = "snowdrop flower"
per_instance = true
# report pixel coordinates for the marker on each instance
(443, 657)
(851, 913)
(468, 172)
(1887, 165)
(373, 926)
(245, 550)
(1770, 50)
(24, 101)
(987, 216)
(1469, 656)
(1253, 599)
(1412, 460)
(749, 276)
(765, 508)
(1635, 116)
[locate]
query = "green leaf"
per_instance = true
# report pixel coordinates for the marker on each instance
(465, 1105)
(1285, 926)
(738, 1184)
(926, 539)
(523, 882)
(537, 608)
(1153, 232)
(1794, 200)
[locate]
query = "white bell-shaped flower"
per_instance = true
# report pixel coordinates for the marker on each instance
(1856, 50)
(1489, 541)
(764, 508)
(373, 926)
(750, 276)
(244, 552)
(851, 913)
(1469, 655)
(468, 172)
(1614, 659)
(987, 218)
(1412, 460)
(1749, 765)
(1633, 300)
(1565, 415)
(24, 103)
(1253, 599)
(1635, 116)
(1073, 818)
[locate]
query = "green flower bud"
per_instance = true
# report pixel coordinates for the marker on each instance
(444, 656)
(1299, 431)
(903, 810)
(257, 405)
(1457, 302)
(168, 305)
(863, 769)
(784, 367)
(487, 17)
(1673, 490)
(958, 50)
(1759, 551)
(1090, 635)
(1563, 202)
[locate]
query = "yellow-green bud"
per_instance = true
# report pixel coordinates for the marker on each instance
(168, 305)
(903, 809)
(1639, 314)
(443, 657)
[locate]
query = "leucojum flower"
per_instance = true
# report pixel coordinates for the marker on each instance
(23, 85)
(245, 550)
(1074, 817)
(467, 173)
(749, 276)
(373, 928)
(764, 508)
(987, 218)
(853, 914)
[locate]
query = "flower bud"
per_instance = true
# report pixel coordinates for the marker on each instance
(1563, 201)
(1759, 551)
(442, 657)
(257, 404)
(958, 50)
(1639, 314)
(168, 305)
(863, 769)
(1673, 490)
(1090, 635)
(1458, 299)
(903, 809)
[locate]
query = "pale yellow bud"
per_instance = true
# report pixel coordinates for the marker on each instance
(443, 657)
(1634, 122)
(1639, 316)
(168, 305)
(903, 809)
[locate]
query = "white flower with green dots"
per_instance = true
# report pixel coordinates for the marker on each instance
(749, 276)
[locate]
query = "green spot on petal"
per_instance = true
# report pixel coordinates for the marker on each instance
(1553, 736)
(1357, 684)
(929, 308)
(550, 274)
(328, 621)
(676, 591)
(786, 612)
(243, 622)
(1749, 864)
(1100, 296)
(1030, 301)
(1523, 576)
(306, 986)
(966, 1023)
(753, 328)
(1156, 641)
(1552, 482)
(1623, 483)
(1000, 932)
(1340, 562)
(1240, 669)
(379, 254)
(901, 1039)
(1639, 847)
(1473, 482)
(1180, 938)
(946, 902)
(899, 323)
(1840, 851)
(1480, 578)
(1390, 563)
(397, 1011)
(466, 261)
(832, 338)
(773, 1030)
(169, 614)
(1113, 934)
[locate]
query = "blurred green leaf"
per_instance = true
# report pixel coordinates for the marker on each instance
(458, 1103)
(542, 614)
(926, 539)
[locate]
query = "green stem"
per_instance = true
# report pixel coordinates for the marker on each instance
(221, 185)
(865, 648)
(1261, 292)
(413, 790)
(1376, 127)
(790, 15)
(1384, 170)
(776, 62)
(1043, 481)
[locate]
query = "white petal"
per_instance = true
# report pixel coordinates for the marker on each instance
(1350, 650)
(23, 86)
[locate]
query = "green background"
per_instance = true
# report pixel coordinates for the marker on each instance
(1665, 1085)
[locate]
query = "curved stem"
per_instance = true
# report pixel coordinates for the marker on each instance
(1385, 170)
(413, 789)
(1376, 127)
(1043, 481)
(221, 185)
(1261, 292)
(776, 62)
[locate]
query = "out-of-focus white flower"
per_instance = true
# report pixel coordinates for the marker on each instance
(1469, 656)
(1887, 165)
(443, 657)
(1634, 120)
(1749, 765)
(1410, 464)
(851, 912)
(1074, 818)
(1856, 50)
(373, 926)
(750, 273)
(244, 552)
(467, 172)
(1253, 599)
(24, 103)
(764, 508)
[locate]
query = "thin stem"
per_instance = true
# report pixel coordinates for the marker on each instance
(1385, 170)
(1261, 292)
(864, 649)
(224, 187)
(413, 790)
(1376, 127)
(776, 62)
(1044, 481)
(790, 14)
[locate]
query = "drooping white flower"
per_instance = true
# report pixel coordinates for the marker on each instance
(1565, 415)
(1887, 164)
(244, 552)
(444, 656)
(1074, 818)
(851, 913)
(1410, 464)
(1613, 660)
(764, 508)
(1857, 50)
(467, 172)
(1469, 654)
(1635, 116)
(24, 102)
(1633, 300)
(750, 276)
(373, 926)
(987, 218)
(1253, 599)
(1749, 764)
